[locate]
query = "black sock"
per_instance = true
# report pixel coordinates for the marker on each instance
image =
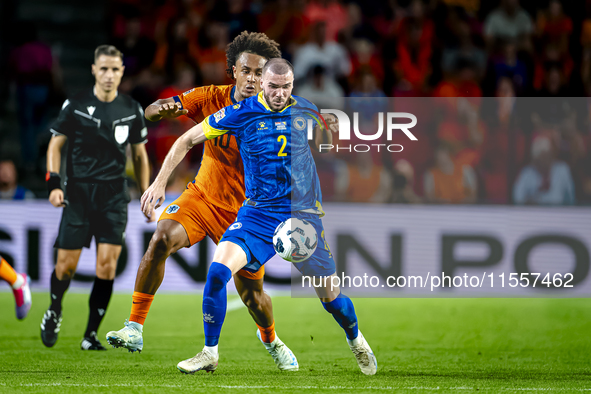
(99, 299)
(56, 292)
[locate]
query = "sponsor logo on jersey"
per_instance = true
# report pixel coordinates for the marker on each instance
(235, 226)
(281, 125)
(299, 123)
(90, 110)
(188, 91)
(236, 106)
(172, 209)
(221, 114)
(121, 133)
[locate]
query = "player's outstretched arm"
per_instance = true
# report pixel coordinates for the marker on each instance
(153, 197)
(54, 159)
(164, 108)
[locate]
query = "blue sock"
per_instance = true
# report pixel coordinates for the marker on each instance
(343, 311)
(215, 302)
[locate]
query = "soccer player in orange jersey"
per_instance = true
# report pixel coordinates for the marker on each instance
(210, 203)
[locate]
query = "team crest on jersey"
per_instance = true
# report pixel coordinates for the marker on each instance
(281, 125)
(262, 125)
(188, 91)
(235, 226)
(90, 110)
(121, 133)
(299, 123)
(221, 114)
(172, 209)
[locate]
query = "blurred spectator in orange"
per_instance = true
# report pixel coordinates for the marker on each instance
(9, 188)
(212, 54)
(464, 132)
(460, 83)
(31, 66)
(176, 48)
(553, 26)
(330, 12)
(138, 50)
(322, 91)
(448, 182)
(415, 48)
(509, 21)
(545, 181)
(552, 56)
(362, 180)
(504, 144)
(330, 55)
(364, 55)
(403, 184)
(284, 22)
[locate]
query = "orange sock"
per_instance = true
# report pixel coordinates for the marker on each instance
(140, 306)
(7, 272)
(267, 333)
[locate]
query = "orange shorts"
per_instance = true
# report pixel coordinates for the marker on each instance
(200, 218)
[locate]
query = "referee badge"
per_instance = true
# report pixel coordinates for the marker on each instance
(121, 133)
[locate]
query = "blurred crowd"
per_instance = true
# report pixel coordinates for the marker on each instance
(493, 83)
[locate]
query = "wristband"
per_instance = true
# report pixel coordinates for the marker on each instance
(54, 181)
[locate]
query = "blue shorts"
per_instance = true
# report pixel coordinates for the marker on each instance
(253, 232)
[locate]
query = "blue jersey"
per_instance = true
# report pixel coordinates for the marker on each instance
(279, 170)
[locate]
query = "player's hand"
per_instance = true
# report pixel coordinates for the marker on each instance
(171, 110)
(332, 122)
(152, 199)
(56, 198)
(151, 217)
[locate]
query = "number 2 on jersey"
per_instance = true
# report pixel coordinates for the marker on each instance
(283, 138)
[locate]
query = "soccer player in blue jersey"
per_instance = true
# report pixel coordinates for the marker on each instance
(281, 182)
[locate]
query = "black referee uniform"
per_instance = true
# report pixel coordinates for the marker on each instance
(96, 189)
(98, 133)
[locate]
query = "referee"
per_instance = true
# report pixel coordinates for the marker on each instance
(98, 124)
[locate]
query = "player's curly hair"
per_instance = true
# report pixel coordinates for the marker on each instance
(255, 43)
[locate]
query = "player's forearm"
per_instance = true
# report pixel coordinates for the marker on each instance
(177, 153)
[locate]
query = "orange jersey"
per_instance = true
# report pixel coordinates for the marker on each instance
(221, 176)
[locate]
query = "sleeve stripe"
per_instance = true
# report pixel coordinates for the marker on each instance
(178, 100)
(211, 132)
(55, 132)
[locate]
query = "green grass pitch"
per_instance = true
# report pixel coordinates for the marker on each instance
(422, 345)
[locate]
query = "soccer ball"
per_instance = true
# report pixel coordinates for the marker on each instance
(295, 240)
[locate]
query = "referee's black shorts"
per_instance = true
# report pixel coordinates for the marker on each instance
(94, 209)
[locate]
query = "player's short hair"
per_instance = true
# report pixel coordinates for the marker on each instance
(108, 50)
(278, 66)
(255, 43)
